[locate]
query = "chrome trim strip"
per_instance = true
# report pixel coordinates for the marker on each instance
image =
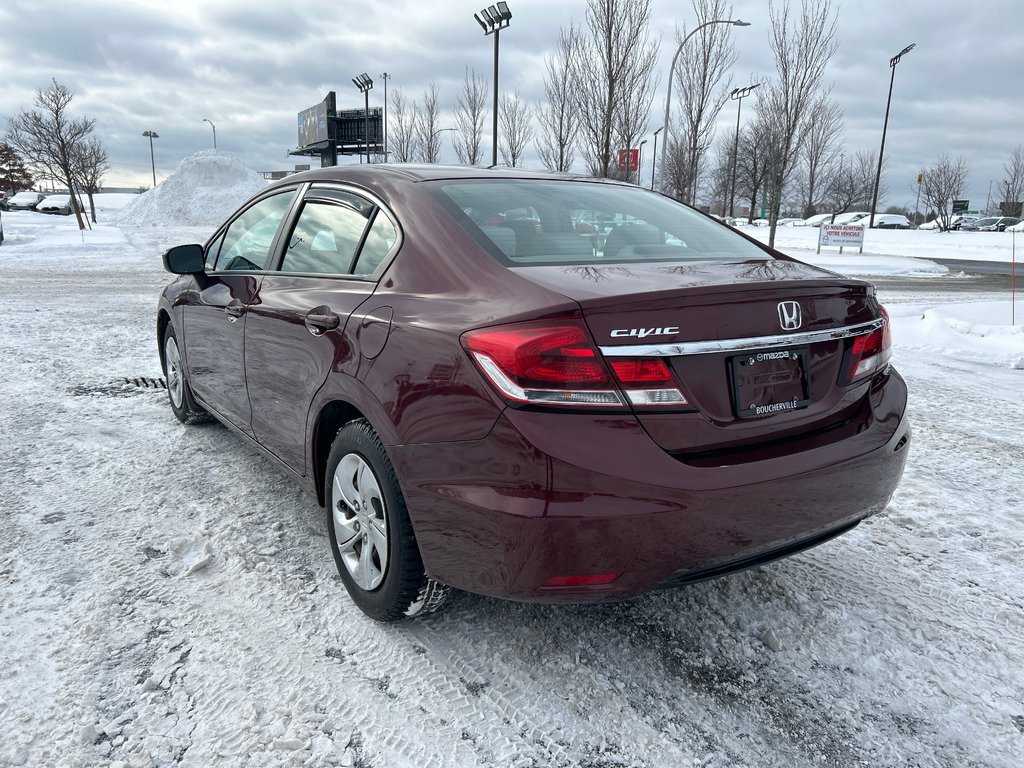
(741, 345)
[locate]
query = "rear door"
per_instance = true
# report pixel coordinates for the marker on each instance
(298, 329)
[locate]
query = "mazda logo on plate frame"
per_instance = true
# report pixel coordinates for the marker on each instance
(790, 317)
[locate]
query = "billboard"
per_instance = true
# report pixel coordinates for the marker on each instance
(313, 125)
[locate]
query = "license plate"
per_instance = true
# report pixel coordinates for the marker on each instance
(770, 381)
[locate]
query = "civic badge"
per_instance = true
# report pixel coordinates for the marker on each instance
(789, 315)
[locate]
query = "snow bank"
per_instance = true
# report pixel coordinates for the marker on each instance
(978, 331)
(203, 191)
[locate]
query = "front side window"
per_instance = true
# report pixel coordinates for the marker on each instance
(248, 238)
(526, 222)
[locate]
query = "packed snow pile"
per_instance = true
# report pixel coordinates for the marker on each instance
(978, 331)
(203, 191)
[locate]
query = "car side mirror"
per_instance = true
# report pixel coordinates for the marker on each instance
(185, 259)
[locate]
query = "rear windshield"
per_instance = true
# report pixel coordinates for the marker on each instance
(524, 222)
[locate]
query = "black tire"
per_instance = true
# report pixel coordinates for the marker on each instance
(179, 393)
(378, 558)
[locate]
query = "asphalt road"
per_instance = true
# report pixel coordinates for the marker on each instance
(978, 277)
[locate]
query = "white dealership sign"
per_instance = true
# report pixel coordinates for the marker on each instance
(841, 236)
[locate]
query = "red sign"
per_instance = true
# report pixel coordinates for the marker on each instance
(631, 156)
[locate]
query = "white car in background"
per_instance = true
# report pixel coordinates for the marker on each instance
(24, 201)
(60, 204)
(1016, 227)
(815, 221)
(887, 221)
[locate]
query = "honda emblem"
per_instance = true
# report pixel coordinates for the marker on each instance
(789, 315)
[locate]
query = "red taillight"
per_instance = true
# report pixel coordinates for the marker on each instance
(871, 351)
(550, 362)
(641, 370)
(647, 381)
(556, 363)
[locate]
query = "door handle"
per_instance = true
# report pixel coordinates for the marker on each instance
(319, 320)
(234, 310)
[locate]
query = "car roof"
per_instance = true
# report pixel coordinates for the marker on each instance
(397, 172)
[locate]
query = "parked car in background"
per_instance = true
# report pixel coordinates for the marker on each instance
(990, 224)
(525, 411)
(25, 201)
(958, 221)
(887, 221)
(849, 217)
(60, 204)
(814, 221)
(1019, 227)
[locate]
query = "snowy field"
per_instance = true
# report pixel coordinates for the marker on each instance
(168, 596)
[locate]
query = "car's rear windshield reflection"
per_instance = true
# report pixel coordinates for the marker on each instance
(524, 222)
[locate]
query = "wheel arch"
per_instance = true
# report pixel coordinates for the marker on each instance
(163, 319)
(332, 417)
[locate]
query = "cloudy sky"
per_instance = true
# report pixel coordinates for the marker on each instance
(250, 67)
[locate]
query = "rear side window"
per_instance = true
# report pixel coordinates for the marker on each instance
(526, 222)
(325, 240)
(339, 233)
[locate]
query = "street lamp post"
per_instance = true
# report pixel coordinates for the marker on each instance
(738, 94)
(385, 77)
(365, 85)
(152, 161)
(639, 160)
(432, 135)
(672, 69)
(493, 20)
(654, 155)
(878, 174)
(207, 120)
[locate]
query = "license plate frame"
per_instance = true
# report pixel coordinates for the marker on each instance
(770, 381)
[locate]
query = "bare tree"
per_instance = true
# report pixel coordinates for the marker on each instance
(48, 136)
(1011, 189)
(752, 164)
(470, 111)
(703, 88)
(516, 128)
(943, 183)
(427, 131)
(719, 179)
(821, 148)
(851, 182)
(559, 126)
(89, 164)
(402, 124)
(613, 79)
(802, 48)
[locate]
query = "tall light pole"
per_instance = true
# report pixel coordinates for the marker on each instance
(207, 120)
(672, 69)
(738, 94)
(639, 160)
(654, 155)
(493, 20)
(365, 85)
(878, 174)
(385, 77)
(152, 135)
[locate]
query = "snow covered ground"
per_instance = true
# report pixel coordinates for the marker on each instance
(168, 596)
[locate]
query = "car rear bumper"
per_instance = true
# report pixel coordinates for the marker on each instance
(563, 495)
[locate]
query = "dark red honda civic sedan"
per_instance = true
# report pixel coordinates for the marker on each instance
(531, 386)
